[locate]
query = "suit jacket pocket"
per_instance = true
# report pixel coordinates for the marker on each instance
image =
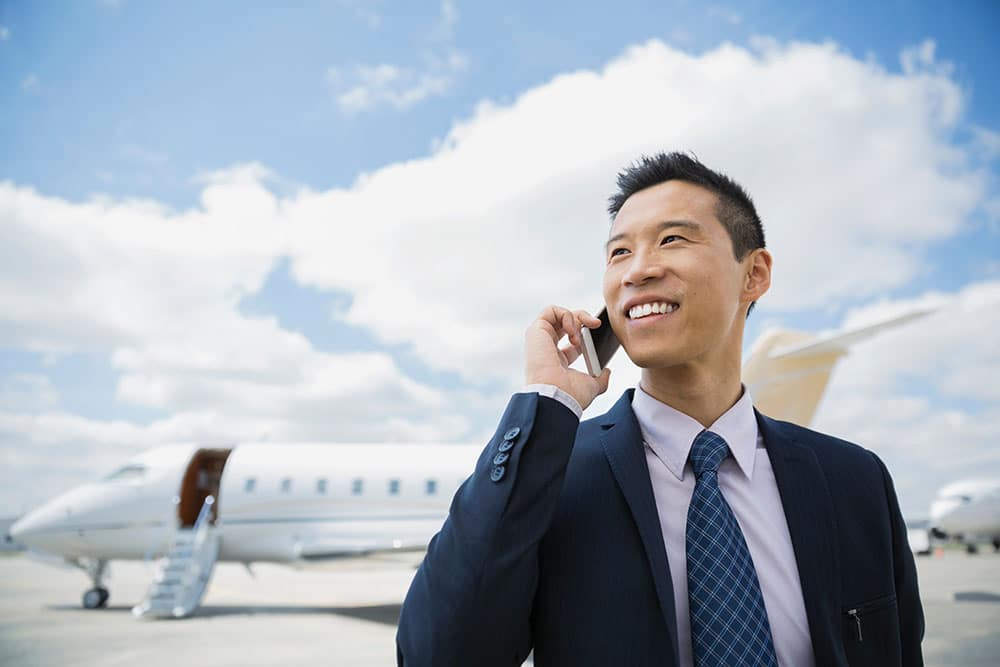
(871, 632)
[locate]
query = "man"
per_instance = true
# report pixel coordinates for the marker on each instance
(682, 527)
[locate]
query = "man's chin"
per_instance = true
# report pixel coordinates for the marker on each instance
(650, 358)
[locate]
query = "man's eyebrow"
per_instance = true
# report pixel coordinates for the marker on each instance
(666, 224)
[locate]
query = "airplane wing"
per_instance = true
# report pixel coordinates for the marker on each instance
(843, 340)
(330, 548)
(787, 371)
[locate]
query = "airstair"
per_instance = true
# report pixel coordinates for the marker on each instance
(181, 578)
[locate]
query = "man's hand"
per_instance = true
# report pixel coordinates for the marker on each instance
(546, 362)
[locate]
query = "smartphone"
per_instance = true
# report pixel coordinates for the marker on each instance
(599, 344)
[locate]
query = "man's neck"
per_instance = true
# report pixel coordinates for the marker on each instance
(700, 393)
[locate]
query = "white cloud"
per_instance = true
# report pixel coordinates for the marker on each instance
(847, 163)
(987, 142)
(4, 33)
(363, 87)
(31, 84)
(920, 59)
(157, 292)
(27, 392)
(365, 10)
(730, 16)
(138, 153)
(447, 20)
(452, 255)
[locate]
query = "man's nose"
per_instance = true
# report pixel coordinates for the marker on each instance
(641, 270)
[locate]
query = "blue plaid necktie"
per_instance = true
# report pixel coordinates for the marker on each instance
(728, 621)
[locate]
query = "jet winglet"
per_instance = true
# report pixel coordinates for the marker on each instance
(787, 371)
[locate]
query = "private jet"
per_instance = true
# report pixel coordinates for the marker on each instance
(186, 507)
(968, 511)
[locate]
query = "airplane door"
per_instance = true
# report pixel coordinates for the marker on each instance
(201, 479)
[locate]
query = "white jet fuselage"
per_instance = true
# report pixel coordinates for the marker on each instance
(281, 502)
(968, 508)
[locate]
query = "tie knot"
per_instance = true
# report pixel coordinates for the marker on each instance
(708, 452)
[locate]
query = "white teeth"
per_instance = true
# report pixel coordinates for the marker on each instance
(636, 312)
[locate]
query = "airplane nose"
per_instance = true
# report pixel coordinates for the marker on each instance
(941, 509)
(35, 529)
(24, 528)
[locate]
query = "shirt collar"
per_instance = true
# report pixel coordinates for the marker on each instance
(670, 433)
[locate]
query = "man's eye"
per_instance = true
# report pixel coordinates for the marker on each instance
(670, 236)
(616, 251)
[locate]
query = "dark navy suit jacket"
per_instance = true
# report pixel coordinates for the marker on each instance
(561, 550)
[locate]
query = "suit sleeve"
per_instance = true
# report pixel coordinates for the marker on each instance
(470, 601)
(911, 613)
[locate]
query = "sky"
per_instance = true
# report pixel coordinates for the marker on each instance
(225, 222)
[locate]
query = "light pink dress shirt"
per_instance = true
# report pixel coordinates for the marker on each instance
(747, 482)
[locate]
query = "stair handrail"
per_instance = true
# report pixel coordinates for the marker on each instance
(201, 524)
(196, 566)
(195, 559)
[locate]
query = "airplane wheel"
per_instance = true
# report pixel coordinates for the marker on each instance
(996, 544)
(971, 548)
(95, 598)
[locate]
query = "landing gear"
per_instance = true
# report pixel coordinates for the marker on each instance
(971, 548)
(96, 597)
(996, 544)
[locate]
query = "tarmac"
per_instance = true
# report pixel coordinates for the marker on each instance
(346, 615)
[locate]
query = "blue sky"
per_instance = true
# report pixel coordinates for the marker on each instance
(119, 115)
(134, 98)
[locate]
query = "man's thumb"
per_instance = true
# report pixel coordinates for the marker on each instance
(604, 379)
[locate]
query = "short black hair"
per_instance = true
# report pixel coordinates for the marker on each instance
(735, 209)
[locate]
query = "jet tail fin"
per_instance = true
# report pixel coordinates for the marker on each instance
(787, 371)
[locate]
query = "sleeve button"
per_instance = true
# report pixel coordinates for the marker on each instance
(497, 473)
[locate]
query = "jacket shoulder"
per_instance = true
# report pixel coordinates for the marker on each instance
(829, 449)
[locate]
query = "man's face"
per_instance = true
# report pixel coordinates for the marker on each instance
(666, 246)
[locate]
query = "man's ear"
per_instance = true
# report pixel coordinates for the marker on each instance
(757, 275)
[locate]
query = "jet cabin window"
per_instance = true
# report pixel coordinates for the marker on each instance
(321, 486)
(250, 484)
(357, 487)
(130, 473)
(286, 485)
(393, 487)
(431, 487)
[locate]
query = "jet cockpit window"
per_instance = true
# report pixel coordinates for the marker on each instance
(130, 473)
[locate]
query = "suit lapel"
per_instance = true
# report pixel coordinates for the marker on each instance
(809, 513)
(622, 443)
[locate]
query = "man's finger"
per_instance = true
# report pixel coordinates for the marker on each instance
(551, 321)
(570, 353)
(570, 327)
(603, 379)
(587, 319)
